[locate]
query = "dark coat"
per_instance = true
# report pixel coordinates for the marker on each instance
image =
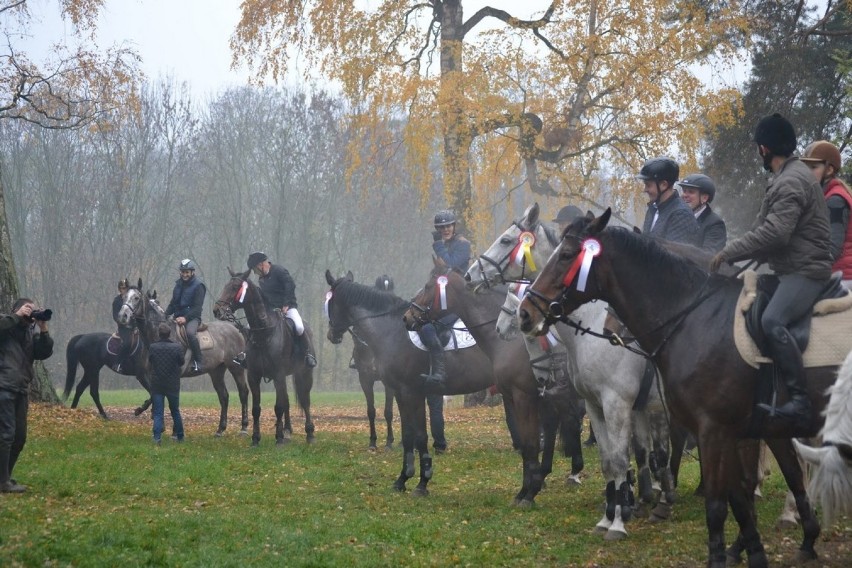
(791, 232)
(187, 299)
(117, 302)
(166, 359)
(455, 252)
(675, 223)
(278, 287)
(712, 232)
(19, 347)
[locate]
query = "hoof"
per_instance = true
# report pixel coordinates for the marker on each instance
(282, 441)
(784, 523)
(255, 443)
(615, 535)
(136, 412)
(219, 434)
(573, 481)
(732, 560)
(802, 556)
(388, 447)
(525, 504)
(420, 492)
(662, 512)
(310, 439)
(398, 488)
(244, 432)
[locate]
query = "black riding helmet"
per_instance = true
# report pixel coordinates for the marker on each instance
(384, 282)
(776, 133)
(659, 169)
(444, 218)
(187, 264)
(702, 183)
(256, 258)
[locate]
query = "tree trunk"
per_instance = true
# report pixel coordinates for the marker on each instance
(41, 389)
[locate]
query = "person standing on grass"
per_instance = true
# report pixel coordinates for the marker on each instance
(166, 358)
(20, 345)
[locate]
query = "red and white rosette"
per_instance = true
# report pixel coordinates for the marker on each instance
(241, 293)
(441, 292)
(328, 296)
(582, 264)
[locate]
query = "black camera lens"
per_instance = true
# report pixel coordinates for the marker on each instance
(42, 315)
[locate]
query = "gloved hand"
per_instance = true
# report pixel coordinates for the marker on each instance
(717, 261)
(436, 236)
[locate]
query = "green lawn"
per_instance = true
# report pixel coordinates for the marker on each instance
(101, 494)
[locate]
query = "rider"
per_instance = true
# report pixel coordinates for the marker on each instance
(792, 234)
(698, 192)
(823, 158)
(125, 333)
(279, 290)
(667, 216)
(454, 250)
(186, 305)
(566, 215)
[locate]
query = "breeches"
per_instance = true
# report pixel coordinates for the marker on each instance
(793, 299)
(293, 315)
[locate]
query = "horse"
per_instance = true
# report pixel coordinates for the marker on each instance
(446, 292)
(375, 317)
(831, 475)
(90, 351)
(269, 353)
(227, 342)
(609, 380)
(364, 362)
(670, 303)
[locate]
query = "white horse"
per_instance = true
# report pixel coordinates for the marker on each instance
(831, 477)
(608, 379)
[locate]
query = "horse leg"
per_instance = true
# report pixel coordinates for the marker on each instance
(596, 420)
(421, 445)
(618, 421)
(549, 426)
(81, 388)
(367, 389)
(254, 386)
(668, 495)
(411, 414)
(283, 430)
(640, 440)
(94, 391)
(303, 381)
(142, 377)
(511, 423)
(217, 376)
(239, 375)
(390, 393)
(788, 461)
(526, 411)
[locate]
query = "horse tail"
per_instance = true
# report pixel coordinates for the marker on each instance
(831, 481)
(71, 361)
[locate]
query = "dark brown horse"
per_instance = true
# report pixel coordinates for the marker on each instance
(271, 353)
(368, 375)
(683, 317)
(376, 317)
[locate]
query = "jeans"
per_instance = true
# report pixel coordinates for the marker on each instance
(158, 410)
(13, 425)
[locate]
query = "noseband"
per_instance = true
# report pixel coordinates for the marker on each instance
(501, 265)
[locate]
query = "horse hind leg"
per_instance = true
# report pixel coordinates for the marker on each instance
(217, 376)
(303, 381)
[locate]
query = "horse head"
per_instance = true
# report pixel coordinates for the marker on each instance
(339, 322)
(131, 305)
(435, 299)
(233, 295)
(507, 321)
(516, 254)
(567, 279)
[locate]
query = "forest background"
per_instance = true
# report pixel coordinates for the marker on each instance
(106, 173)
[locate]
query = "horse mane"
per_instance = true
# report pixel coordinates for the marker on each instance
(368, 297)
(838, 413)
(550, 233)
(658, 260)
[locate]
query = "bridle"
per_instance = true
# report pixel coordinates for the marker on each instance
(502, 264)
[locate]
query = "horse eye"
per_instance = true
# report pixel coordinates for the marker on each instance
(505, 241)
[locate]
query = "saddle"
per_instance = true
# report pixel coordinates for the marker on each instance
(824, 335)
(451, 337)
(205, 340)
(113, 344)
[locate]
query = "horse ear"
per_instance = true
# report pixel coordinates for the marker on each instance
(245, 274)
(598, 224)
(140, 283)
(531, 216)
(231, 272)
(328, 277)
(350, 276)
(637, 230)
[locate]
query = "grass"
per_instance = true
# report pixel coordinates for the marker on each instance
(101, 494)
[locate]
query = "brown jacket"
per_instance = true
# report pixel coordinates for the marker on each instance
(791, 232)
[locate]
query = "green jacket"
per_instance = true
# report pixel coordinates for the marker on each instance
(791, 232)
(19, 347)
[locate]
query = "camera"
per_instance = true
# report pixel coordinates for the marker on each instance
(42, 315)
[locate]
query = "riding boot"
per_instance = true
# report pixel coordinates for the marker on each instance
(436, 380)
(790, 367)
(195, 347)
(8, 485)
(308, 349)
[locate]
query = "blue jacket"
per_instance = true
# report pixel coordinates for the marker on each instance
(187, 299)
(676, 221)
(455, 252)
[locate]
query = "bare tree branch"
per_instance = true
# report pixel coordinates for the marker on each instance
(512, 21)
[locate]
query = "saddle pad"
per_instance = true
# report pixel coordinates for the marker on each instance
(204, 338)
(831, 329)
(462, 338)
(113, 344)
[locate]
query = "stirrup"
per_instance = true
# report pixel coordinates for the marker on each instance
(310, 360)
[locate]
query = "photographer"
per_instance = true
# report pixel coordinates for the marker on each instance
(20, 345)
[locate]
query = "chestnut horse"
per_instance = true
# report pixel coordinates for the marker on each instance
(683, 317)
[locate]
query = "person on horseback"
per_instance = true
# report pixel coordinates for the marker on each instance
(823, 158)
(698, 192)
(565, 216)
(125, 333)
(792, 234)
(667, 216)
(454, 250)
(279, 291)
(186, 306)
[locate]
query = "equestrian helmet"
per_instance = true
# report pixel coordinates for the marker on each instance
(702, 183)
(658, 169)
(822, 151)
(256, 258)
(385, 283)
(124, 283)
(567, 214)
(187, 264)
(776, 133)
(444, 218)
